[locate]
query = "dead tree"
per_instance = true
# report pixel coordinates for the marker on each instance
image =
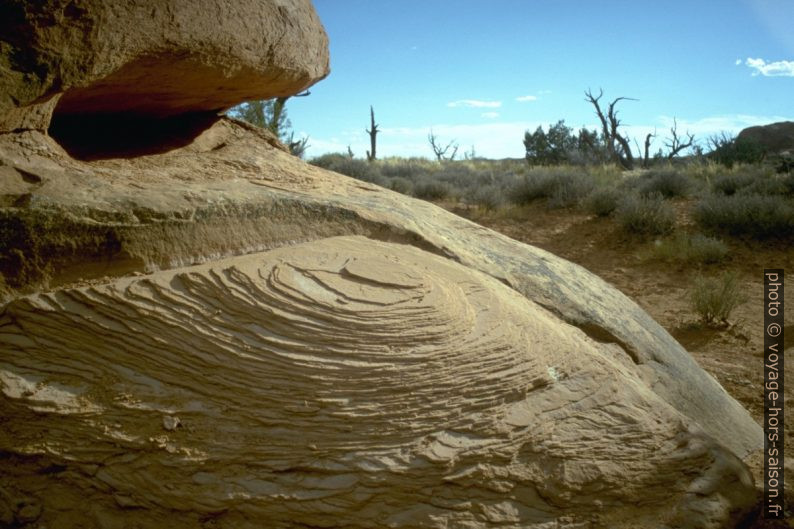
(676, 144)
(617, 145)
(646, 152)
(373, 133)
(439, 151)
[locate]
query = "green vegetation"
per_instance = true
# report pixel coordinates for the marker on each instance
(735, 188)
(727, 150)
(714, 298)
(271, 114)
(432, 190)
(695, 248)
(559, 145)
(561, 187)
(667, 182)
(742, 201)
(603, 202)
(752, 215)
(645, 215)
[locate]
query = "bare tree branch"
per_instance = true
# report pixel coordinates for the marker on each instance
(439, 151)
(604, 124)
(647, 151)
(618, 147)
(677, 144)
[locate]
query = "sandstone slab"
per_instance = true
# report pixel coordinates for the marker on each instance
(347, 382)
(365, 360)
(151, 58)
(204, 331)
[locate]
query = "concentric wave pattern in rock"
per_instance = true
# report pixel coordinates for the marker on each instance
(340, 383)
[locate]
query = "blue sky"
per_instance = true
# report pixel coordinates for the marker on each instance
(482, 72)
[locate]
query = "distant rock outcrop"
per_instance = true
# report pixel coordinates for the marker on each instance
(208, 332)
(774, 138)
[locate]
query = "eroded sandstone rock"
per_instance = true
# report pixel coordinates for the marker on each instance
(773, 138)
(347, 382)
(562, 403)
(151, 58)
(218, 334)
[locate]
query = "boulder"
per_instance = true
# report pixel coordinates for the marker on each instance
(330, 353)
(773, 138)
(209, 331)
(151, 58)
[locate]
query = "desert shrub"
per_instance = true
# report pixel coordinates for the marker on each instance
(753, 180)
(605, 173)
(344, 164)
(532, 187)
(327, 160)
(432, 190)
(757, 216)
(645, 215)
(731, 182)
(488, 197)
(707, 250)
(714, 299)
(401, 185)
(728, 151)
(697, 248)
(703, 169)
(771, 185)
(458, 174)
(784, 163)
(667, 182)
(409, 168)
(560, 187)
(788, 183)
(570, 192)
(603, 202)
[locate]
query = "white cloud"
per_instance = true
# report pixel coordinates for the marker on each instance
(738, 62)
(771, 69)
(474, 103)
(490, 115)
(524, 99)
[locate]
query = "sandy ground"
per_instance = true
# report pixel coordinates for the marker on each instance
(733, 355)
